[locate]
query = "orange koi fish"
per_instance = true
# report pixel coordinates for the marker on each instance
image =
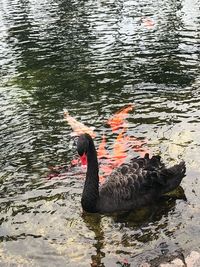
(121, 146)
(118, 119)
(119, 149)
(102, 152)
(118, 156)
(105, 160)
(78, 127)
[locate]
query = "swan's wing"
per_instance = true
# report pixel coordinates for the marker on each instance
(143, 177)
(147, 163)
(135, 185)
(136, 178)
(127, 182)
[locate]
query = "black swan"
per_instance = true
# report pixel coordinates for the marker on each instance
(130, 186)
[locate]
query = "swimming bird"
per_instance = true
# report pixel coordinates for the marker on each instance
(130, 186)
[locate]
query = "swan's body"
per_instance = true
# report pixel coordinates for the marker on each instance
(130, 186)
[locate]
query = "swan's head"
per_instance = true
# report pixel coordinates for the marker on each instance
(82, 144)
(82, 147)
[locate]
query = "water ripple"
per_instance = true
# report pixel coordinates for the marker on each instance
(93, 58)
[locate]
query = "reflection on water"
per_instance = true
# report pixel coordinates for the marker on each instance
(93, 58)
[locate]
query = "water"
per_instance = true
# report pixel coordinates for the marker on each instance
(93, 58)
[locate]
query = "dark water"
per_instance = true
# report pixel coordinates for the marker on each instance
(92, 58)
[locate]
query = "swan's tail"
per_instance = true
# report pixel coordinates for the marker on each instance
(172, 177)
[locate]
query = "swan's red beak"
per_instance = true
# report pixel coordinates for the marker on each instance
(83, 160)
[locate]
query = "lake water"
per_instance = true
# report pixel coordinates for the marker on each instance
(93, 58)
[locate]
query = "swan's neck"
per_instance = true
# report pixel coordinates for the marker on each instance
(90, 195)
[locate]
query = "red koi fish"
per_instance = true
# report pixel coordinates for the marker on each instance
(104, 160)
(119, 149)
(107, 161)
(102, 152)
(118, 119)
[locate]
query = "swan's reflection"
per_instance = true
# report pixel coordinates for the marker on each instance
(140, 219)
(93, 222)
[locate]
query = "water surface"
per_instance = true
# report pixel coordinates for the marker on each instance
(93, 58)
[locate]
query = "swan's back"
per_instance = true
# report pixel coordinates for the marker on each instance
(139, 183)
